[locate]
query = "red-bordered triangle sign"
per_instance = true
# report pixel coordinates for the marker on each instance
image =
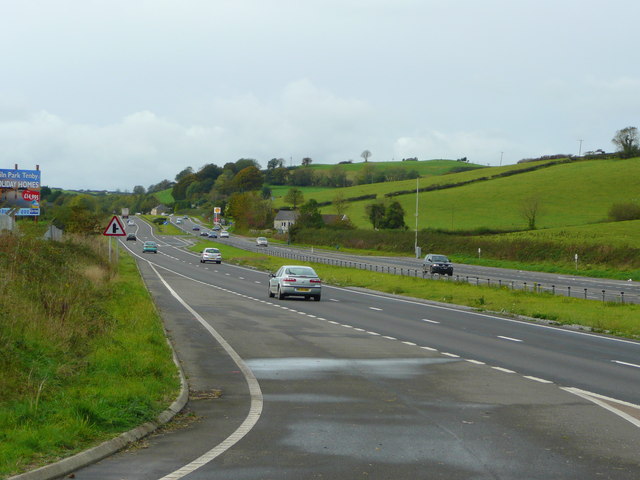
(115, 228)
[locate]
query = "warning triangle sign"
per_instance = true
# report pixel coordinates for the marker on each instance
(115, 228)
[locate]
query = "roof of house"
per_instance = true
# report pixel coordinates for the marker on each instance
(284, 215)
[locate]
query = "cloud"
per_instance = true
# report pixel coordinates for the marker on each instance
(144, 148)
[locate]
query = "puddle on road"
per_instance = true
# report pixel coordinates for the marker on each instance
(301, 368)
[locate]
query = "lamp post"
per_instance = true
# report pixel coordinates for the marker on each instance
(416, 244)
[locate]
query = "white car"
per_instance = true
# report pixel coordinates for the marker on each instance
(262, 242)
(210, 254)
(295, 280)
(224, 234)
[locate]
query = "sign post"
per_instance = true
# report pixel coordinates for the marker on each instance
(114, 229)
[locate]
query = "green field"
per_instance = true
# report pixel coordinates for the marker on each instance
(571, 194)
(164, 196)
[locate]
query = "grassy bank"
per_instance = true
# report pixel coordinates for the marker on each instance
(82, 350)
(613, 318)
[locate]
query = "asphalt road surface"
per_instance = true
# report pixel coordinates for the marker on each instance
(362, 385)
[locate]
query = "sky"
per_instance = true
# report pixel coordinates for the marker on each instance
(117, 93)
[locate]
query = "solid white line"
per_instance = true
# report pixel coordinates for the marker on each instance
(509, 338)
(625, 363)
(254, 389)
(430, 321)
(375, 308)
(595, 398)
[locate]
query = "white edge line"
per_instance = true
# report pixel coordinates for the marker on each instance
(536, 379)
(254, 389)
(595, 398)
(505, 370)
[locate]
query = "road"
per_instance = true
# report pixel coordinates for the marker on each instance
(601, 289)
(363, 385)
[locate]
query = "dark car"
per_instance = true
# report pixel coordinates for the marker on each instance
(434, 263)
(196, 228)
(132, 236)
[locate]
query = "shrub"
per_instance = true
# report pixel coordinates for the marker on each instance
(620, 212)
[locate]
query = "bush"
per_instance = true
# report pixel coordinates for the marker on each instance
(620, 212)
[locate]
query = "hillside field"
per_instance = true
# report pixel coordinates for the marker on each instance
(570, 194)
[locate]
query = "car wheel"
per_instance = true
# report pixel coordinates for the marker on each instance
(271, 294)
(431, 270)
(280, 294)
(317, 298)
(218, 263)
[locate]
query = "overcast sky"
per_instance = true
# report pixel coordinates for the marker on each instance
(117, 93)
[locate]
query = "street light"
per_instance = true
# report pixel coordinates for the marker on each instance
(416, 244)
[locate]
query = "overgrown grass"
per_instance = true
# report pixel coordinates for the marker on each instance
(168, 229)
(613, 318)
(82, 350)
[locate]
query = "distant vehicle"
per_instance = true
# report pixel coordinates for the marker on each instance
(224, 234)
(149, 247)
(262, 242)
(204, 233)
(217, 227)
(132, 236)
(434, 263)
(213, 235)
(211, 255)
(130, 223)
(185, 217)
(196, 228)
(125, 213)
(295, 280)
(178, 221)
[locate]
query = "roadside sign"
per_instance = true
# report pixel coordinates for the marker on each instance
(115, 228)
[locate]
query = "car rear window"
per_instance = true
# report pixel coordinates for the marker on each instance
(301, 271)
(212, 250)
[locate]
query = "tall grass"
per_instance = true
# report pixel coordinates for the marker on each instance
(82, 350)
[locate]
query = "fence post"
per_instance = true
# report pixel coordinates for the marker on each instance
(622, 297)
(603, 295)
(585, 293)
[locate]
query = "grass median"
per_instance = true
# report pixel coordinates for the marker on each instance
(601, 317)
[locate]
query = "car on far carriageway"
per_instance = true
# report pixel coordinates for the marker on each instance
(224, 234)
(434, 263)
(149, 247)
(262, 242)
(211, 254)
(298, 280)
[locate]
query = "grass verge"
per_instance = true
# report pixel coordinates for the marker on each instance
(611, 318)
(82, 351)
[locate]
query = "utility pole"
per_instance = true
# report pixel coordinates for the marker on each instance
(501, 154)
(580, 149)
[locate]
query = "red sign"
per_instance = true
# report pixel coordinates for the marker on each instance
(31, 195)
(115, 228)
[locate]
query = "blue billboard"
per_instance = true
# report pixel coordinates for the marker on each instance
(19, 192)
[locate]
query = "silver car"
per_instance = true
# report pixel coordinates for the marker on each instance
(262, 242)
(211, 255)
(296, 280)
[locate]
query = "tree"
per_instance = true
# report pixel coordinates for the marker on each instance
(375, 213)
(139, 190)
(366, 154)
(340, 204)
(530, 210)
(394, 216)
(275, 163)
(247, 179)
(187, 171)
(310, 216)
(306, 161)
(627, 142)
(294, 196)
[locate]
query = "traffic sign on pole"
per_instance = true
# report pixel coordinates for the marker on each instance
(115, 228)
